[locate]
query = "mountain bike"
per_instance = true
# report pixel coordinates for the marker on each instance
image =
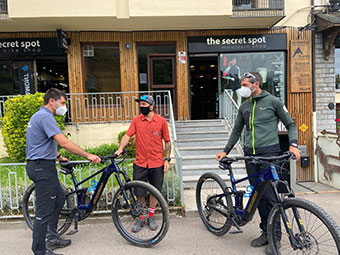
(309, 229)
(130, 202)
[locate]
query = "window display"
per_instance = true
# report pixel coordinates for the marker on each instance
(271, 66)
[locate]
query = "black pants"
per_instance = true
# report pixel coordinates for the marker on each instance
(268, 199)
(50, 199)
(154, 176)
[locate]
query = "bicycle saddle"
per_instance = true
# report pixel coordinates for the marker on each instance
(66, 167)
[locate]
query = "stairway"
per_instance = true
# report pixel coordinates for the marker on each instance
(198, 141)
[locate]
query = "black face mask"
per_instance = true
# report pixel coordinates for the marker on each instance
(144, 110)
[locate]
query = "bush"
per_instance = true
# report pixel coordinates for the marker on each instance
(131, 147)
(14, 123)
(101, 150)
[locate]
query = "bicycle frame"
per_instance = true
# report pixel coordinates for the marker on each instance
(107, 171)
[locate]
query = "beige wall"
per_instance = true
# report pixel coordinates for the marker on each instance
(296, 13)
(61, 8)
(337, 100)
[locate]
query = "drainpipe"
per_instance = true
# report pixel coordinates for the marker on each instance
(316, 176)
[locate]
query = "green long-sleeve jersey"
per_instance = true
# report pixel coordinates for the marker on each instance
(260, 115)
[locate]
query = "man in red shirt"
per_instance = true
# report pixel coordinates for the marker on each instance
(150, 129)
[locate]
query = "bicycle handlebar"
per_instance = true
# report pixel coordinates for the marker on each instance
(230, 160)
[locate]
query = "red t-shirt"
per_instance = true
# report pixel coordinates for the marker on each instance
(149, 144)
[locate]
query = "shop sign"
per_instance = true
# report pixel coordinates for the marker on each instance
(303, 127)
(29, 47)
(301, 66)
(63, 40)
(25, 76)
(237, 43)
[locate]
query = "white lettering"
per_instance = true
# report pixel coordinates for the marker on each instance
(27, 84)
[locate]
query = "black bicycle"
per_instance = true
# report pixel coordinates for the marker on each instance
(130, 203)
(309, 229)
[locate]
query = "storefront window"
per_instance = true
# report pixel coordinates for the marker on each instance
(8, 85)
(337, 68)
(271, 66)
(102, 68)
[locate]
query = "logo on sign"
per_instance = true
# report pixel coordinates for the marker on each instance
(298, 51)
(25, 68)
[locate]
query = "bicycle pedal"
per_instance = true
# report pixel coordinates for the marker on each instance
(237, 231)
(72, 232)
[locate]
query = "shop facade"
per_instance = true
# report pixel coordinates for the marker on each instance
(195, 65)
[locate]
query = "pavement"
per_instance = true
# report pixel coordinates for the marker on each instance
(187, 235)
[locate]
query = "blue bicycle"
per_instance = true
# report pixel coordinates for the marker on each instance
(309, 229)
(130, 204)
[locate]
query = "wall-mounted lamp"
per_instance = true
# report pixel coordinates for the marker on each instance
(128, 45)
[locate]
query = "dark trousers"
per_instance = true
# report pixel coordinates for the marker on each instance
(50, 199)
(268, 199)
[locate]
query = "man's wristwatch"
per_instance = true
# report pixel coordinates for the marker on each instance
(58, 156)
(294, 145)
(167, 159)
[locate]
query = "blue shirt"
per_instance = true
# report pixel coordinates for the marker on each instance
(40, 130)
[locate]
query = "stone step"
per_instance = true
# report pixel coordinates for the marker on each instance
(189, 124)
(201, 142)
(209, 159)
(202, 129)
(206, 150)
(199, 122)
(190, 182)
(201, 135)
(193, 170)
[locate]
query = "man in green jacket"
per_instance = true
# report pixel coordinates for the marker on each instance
(260, 115)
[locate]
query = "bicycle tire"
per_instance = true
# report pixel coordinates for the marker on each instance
(215, 222)
(63, 225)
(322, 226)
(124, 218)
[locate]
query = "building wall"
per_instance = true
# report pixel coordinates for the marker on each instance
(324, 87)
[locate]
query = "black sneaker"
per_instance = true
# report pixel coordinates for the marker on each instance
(60, 243)
(138, 225)
(269, 249)
(260, 241)
(49, 252)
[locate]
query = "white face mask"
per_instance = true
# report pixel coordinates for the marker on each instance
(61, 110)
(245, 92)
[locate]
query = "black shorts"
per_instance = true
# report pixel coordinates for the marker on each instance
(154, 176)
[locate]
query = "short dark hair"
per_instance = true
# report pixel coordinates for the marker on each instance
(253, 77)
(54, 93)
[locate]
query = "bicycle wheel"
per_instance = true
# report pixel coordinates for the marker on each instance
(212, 202)
(321, 235)
(126, 213)
(28, 210)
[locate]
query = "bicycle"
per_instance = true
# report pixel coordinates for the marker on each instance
(129, 203)
(309, 229)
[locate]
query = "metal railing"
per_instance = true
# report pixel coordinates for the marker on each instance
(258, 8)
(3, 9)
(14, 182)
(113, 106)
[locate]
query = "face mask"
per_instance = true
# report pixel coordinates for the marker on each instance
(61, 110)
(144, 110)
(245, 92)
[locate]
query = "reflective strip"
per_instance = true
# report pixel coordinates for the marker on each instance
(252, 128)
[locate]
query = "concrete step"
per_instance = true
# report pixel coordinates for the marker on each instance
(199, 122)
(190, 182)
(201, 142)
(202, 129)
(206, 150)
(201, 135)
(208, 159)
(194, 170)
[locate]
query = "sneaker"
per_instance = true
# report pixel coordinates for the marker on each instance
(60, 243)
(152, 224)
(138, 225)
(269, 250)
(49, 252)
(260, 241)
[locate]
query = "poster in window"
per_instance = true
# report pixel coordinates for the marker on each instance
(301, 66)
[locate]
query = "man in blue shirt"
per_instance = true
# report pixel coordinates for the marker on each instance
(42, 137)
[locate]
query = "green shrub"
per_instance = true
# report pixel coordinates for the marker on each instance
(101, 150)
(14, 123)
(131, 147)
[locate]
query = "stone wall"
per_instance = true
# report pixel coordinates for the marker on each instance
(325, 87)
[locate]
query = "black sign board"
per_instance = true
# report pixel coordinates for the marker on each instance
(25, 77)
(29, 47)
(63, 40)
(236, 43)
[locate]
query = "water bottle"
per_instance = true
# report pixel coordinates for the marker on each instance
(93, 186)
(249, 191)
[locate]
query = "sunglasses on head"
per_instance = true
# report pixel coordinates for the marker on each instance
(248, 75)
